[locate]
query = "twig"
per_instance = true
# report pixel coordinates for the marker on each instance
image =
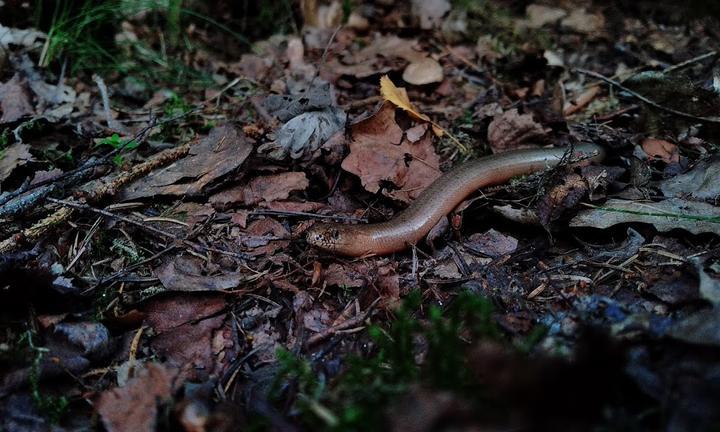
(157, 231)
(111, 122)
(689, 62)
(121, 272)
(645, 99)
(305, 214)
(79, 173)
(349, 323)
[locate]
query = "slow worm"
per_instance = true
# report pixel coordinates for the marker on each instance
(440, 198)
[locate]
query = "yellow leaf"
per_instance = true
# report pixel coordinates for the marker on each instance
(399, 97)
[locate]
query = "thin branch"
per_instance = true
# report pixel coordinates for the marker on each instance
(157, 231)
(305, 214)
(645, 99)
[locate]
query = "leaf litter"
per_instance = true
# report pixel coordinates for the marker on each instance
(162, 283)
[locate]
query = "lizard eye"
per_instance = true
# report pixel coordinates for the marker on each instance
(335, 234)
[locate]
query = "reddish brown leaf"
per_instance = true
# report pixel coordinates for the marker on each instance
(511, 130)
(134, 407)
(187, 328)
(264, 188)
(265, 236)
(661, 149)
(379, 152)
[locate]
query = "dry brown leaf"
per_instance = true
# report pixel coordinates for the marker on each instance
(581, 101)
(380, 152)
(15, 100)
(215, 156)
(492, 243)
(185, 273)
(424, 71)
(583, 22)
(539, 15)
(134, 407)
(661, 149)
(12, 157)
(187, 327)
(562, 197)
(264, 188)
(511, 130)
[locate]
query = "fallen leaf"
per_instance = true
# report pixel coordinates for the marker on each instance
(216, 155)
(424, 71)
(263, 188)
(581, 101)
(398, 96)
(184, 273)
(15, 100)
(700, 183)
(134, 407)
(265, 236)
(90, 339)
(511, 130)
(302, 136)
(540, 15)
(429, 13)
(561, 197)
(379, 152)
(661, 149)
(22, 37)
(13, 157)
(319, 97)
(346, 276)
(584, 22)
(674, 213)
(186, 327)
(492, 243)
(372, 59)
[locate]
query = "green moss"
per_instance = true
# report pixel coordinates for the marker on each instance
(53, 408)
(358, 398)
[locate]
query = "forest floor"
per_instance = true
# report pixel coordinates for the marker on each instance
(159, 170)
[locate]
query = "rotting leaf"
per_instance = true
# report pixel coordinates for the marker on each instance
(492, 243)
(691, 216)
(562, 197)
(302, 136)
(216, 155)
